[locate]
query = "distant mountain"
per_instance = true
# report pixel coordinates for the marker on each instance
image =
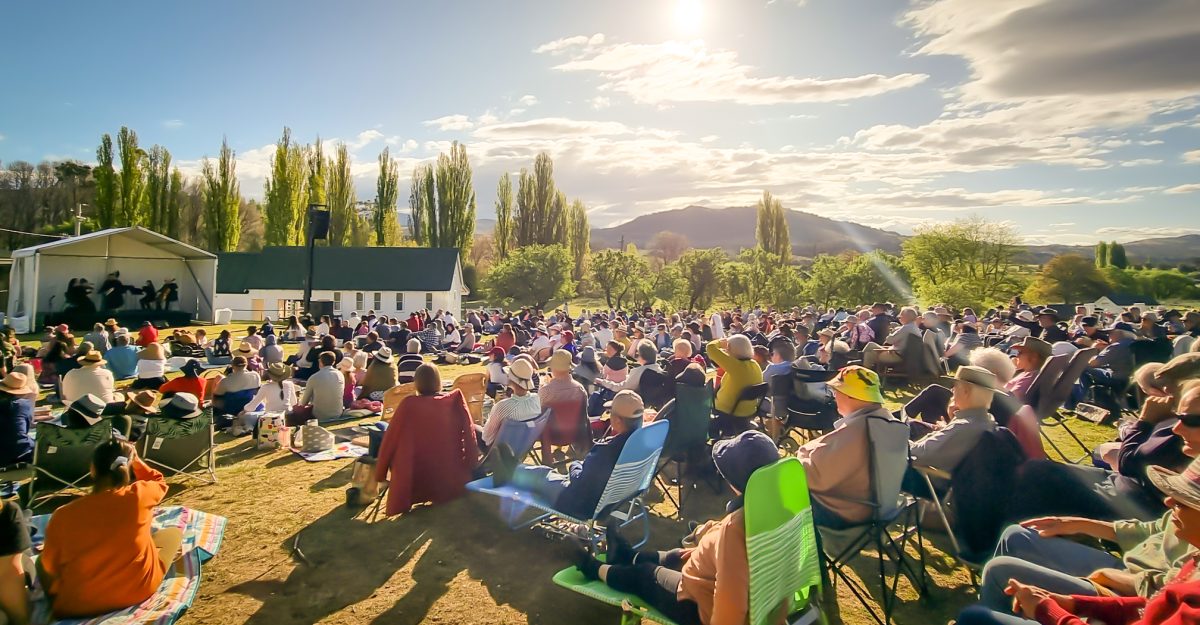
(733, 229)
(1169, 250)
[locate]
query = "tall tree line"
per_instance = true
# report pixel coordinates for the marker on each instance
(772, 229)
(442, 202)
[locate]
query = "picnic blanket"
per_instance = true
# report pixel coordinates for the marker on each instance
(341, 450)
(202, 534)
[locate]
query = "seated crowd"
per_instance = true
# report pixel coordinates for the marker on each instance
(980, 377)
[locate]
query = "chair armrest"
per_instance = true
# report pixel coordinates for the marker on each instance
(932, 472)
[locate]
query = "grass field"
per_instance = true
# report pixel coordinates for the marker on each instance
(454, 563)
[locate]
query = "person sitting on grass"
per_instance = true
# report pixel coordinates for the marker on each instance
(708, 584)
(380, 375)
(151, 367)
(235, 389)
(1048, 597)
(100, 554)
(323, 394)
(189, 382)
(122, 357)
(497, 378)
(219, 351)
(578, 491)
(407, 365)
(277, 393)
(271, 351)
(16, 420)
(91, 377)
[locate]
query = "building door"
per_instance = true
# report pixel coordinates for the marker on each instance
(257, 306)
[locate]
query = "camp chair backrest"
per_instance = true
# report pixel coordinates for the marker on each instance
(1043, 384)
(1151, 350)
(912, 355)
(886, 438)
(1066, 382)
(690, 418)
(655, 388)
(981, 489)
(781, 392)
(1025, 426)
(781, 544)
(568, 423)
(753, 394)
(931, 360)
(635, 466)
(393, 397)
(62, 457)
(474, 389)
(178, 446)
(520, 435)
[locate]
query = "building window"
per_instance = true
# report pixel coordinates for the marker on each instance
(359, 301)
(399, 302)
(337, 301)
(429, 302)
(378, 302)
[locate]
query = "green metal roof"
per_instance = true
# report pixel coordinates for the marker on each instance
(339, 269)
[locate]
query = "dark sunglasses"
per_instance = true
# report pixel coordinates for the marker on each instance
(1189, 420)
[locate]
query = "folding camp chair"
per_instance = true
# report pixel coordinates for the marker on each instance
(62, 458)
(689, 414)
(1049, 404)
(180, 446)
(630, 479)
(392, 398)
(474, 389)
(568, 425)
(888, 507)
(728, 425)
(781, 550)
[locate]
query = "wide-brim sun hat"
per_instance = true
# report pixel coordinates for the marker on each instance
(521, 373)
(1182, 487)
(858, 383)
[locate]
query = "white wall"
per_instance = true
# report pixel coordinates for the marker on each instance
(242, 304)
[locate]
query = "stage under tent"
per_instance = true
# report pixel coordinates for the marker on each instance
(40, 276)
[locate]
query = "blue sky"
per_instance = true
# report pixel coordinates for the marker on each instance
(1072, 119)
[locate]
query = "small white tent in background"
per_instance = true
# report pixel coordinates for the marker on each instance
(40, 274)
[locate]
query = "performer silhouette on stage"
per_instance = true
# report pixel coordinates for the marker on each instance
(78, 296)
(167, 294)
(112, 292)
(149, 294)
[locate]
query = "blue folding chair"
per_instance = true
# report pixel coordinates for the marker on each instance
(630, 479)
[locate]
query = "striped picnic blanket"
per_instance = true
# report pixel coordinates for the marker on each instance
(202, 534)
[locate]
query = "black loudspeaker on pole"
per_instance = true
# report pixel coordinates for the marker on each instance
(318, 228)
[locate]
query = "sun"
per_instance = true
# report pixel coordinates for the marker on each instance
(688, 15)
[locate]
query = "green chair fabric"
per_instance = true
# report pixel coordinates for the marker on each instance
(62, 457)
(571, 579)
(781, 542)
(180, 446)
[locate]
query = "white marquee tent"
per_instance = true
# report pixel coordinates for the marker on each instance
(40, 273)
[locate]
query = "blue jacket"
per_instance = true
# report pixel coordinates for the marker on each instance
(122, 361)
(16, 419)
(589, 478)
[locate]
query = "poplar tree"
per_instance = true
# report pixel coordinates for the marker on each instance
(133, 180)
(158, 188)
(455, 200)
(422, 200)
(387, 192)
(1102, 254)
(541, 216)
(222, 201)
(579, 238)
(339, 194)
(772, 228)
(174, 198)
(106, 183)
(284, 212)
(503, 233)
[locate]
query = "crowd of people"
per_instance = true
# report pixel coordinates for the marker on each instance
(612, 372)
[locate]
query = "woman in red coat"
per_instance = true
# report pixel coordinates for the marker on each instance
(429, 447)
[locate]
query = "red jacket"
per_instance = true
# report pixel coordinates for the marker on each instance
(429, 449)
(1178, 603)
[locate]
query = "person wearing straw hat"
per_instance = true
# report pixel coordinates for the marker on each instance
(16, 420)
(578, 491)
(142, 404)
(277, 393)
(380, 376)
(1032, 353)
(705, 584)
(250, 353)
(562, 388)
(151, 367)
(91, 377)
(944, 448)
(521, 404)
(1053, 599)
(834, 462)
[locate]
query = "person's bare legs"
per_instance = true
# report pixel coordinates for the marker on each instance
(168, 542)
(14, 601)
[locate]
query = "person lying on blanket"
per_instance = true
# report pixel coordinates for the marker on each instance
(577, 493)
(704, 584)
(99, 552)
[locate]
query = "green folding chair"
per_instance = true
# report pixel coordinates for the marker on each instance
(62, 459)
(180, 447)
(781, 546)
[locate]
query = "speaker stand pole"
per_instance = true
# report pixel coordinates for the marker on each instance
(308, 284)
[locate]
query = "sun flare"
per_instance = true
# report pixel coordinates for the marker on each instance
(689, 14)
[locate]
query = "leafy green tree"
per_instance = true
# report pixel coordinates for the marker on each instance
(1068, 279)
(617, 273)
(540, 217)
(284, 218)
(316, 166)
(503, 234)
(969, 262)
(700, 278)
(826, 283)
(387, 193)
(158, 188)
(133, 178)
(579, 236)
(174, 203)
(222, 201)
(106, 184)
(339, 194)
(874, 276)
(455, 200)
(533, 274)
(772, 230)
(1101, 255)
(747, 280)
(1116, 255)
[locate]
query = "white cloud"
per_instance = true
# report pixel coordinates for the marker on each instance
(527, 100)
(674, 71)
(1138, 162)
(708, 138)
(172, 124)
(363, 139)
(551, 127)
(567, 43)
(451, 122)
(1128, 233)
(405, 145)
(1192, 156)
(1183, 188)
(600, 102)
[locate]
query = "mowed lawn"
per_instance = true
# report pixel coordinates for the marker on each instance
(454, 563)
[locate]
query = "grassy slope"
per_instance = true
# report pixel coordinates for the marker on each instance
(449, 564)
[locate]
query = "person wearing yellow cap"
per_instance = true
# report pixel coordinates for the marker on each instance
(836, 462)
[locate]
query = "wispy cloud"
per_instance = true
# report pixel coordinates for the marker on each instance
(451, 122)
(1188, 157)
(674, 71)
(172, 124)
(528, 100)
(1183, 188)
